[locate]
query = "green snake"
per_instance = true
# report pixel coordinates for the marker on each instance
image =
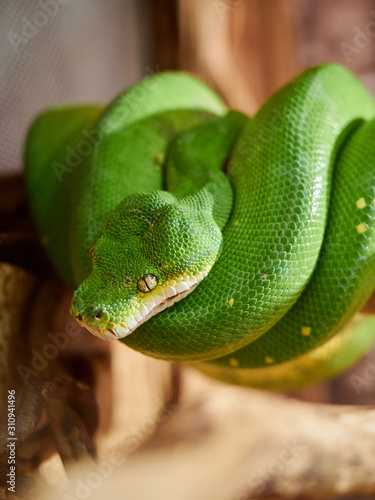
(197, 234)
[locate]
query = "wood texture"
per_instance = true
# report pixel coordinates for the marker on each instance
(226, 443)
(243, 49)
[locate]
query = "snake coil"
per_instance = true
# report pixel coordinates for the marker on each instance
(282, 245)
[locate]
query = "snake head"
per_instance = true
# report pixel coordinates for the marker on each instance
(154, 250)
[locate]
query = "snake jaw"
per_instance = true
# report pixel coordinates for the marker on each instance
(151, 304)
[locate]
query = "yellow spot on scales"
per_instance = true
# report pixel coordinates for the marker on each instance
(306, 330)
(361, 228)
(269, 360)
(373, 202)
(234, 362)
(236, 222)
(360, 203)
(230, 302)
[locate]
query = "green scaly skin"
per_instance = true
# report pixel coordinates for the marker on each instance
(276, 280)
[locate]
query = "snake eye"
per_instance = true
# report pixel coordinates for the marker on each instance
(91, 252)
(147, 283)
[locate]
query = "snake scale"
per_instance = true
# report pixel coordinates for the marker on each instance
(242, 245)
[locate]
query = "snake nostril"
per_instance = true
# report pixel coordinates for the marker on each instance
(92, 316)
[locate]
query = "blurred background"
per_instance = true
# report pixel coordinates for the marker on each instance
(65, 51)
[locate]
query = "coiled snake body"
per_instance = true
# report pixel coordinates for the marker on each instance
(263, 264)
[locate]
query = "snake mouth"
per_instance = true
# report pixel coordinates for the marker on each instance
(152, 303)
(122, 330)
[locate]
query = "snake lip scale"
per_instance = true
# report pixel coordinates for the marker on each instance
(154, 303)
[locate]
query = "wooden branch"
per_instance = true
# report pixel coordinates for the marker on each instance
(226, 443)
(243, 49)
(166, 37)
